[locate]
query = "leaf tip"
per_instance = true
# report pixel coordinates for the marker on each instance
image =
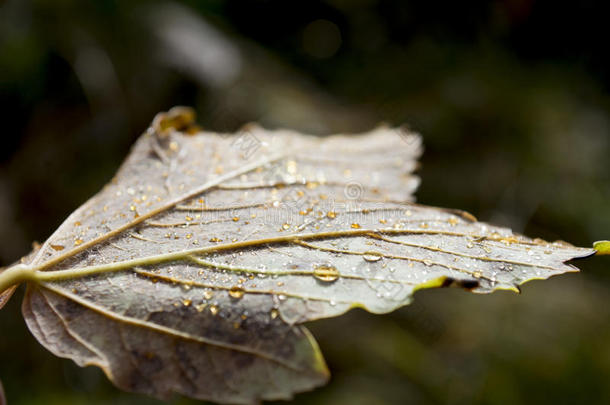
(602, 247)
(178, 118)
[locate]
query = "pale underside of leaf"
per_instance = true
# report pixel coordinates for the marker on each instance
(192, 270)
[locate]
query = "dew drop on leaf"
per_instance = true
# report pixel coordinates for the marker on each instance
(236, 292)
(372, 256)
(326, 273)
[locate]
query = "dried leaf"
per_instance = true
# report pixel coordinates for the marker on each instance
(192, 271)
(6, 295)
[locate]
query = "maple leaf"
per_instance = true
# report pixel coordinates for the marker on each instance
(194, 269)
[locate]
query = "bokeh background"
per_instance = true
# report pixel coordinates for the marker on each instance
(511, 96)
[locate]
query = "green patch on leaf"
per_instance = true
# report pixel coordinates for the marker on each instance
(602, 247)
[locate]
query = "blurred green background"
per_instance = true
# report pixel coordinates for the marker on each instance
(512, 97)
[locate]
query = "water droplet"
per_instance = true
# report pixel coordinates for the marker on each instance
(286, 226)
(236, 292)
(235, 219)
(372, 256)
(214, 309)
(331, 214)
(186, 302)
(78, 242)
(326, 273)
(208, 295)
(356, 226)
(274, 313)
(291, 167)
(469, 245)
(57, 247)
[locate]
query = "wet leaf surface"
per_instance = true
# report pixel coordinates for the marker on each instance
(192, 271)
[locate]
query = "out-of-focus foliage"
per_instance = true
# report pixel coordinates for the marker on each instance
(510, 95)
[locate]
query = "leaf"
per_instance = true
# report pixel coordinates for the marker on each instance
(193, 270)
(6, 295)
(602, 247)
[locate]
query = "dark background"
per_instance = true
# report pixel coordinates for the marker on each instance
(511, 96)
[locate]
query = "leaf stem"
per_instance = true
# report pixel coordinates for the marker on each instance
(16, 275)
